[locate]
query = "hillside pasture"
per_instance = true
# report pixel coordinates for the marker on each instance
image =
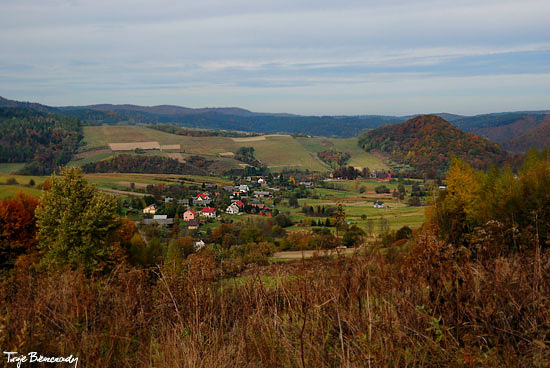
(21, 184)
(277, 151)
(134, 145)
(359, 157)
(11, 168)
(284, 151)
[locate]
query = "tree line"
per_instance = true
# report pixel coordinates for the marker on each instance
(126, 163)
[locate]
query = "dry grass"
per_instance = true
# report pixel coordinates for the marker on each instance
(134, 145)
(433, 306)
(172, 147)
(176, 156)
(258, 138)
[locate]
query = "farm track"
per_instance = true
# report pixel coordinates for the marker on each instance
(122, 192)
(312, 253)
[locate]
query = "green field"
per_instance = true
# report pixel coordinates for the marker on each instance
(21, 184)
(10, 168)
(359, 157)
(276, 151)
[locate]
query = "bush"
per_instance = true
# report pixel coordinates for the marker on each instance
(414, 201)
(382, 189)
(293, 202)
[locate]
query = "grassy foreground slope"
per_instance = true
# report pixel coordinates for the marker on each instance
(276, 151)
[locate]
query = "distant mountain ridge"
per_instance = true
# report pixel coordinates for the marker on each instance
(225, 118)
(428, 142)
(538, 137)
(497, 127)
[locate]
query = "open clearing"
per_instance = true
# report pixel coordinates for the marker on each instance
(134, 145)
(128, 184)
(259, 137)
(10, 168)
(170, 147)
(277, 151)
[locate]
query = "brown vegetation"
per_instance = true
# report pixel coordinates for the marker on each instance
(431, 307)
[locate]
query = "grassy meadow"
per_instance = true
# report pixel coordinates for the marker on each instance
(278, 152)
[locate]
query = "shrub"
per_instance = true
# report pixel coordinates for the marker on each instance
(382, 189)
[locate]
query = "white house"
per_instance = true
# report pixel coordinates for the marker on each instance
(244, 188)
(233, 209)
(150, 210)
(199, 245)
(379, 204)
(208, 212)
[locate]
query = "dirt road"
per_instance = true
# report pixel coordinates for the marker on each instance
(311, 253)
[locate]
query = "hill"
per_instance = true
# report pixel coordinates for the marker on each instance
(278, 152)
(41, 140)
(497, 127)
(428, 143)
(538, 137)
(224, 118)
(500, 127)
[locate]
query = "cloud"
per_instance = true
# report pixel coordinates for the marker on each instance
(247, 52)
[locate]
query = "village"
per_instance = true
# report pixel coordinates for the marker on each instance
(299, 203)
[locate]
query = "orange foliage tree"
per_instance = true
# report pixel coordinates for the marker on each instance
(17, 228)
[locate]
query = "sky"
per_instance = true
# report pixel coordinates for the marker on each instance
(312, 57)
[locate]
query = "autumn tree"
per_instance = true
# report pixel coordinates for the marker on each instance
(17, 228)
(77, 224)
(458, 207)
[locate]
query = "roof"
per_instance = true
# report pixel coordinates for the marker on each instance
(160, 217)
(208, 210)
(168, 221)
(192, 211)
(239, 203)
(202, 196)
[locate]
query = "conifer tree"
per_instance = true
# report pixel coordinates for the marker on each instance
(76, 223)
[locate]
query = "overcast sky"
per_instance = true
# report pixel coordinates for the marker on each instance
(315, 57)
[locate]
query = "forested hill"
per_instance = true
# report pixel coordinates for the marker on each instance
(501, 127)
(326, 126)
(497, 127)
(232, 118)
(428, 142)
(40, 139)
(538, 137)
